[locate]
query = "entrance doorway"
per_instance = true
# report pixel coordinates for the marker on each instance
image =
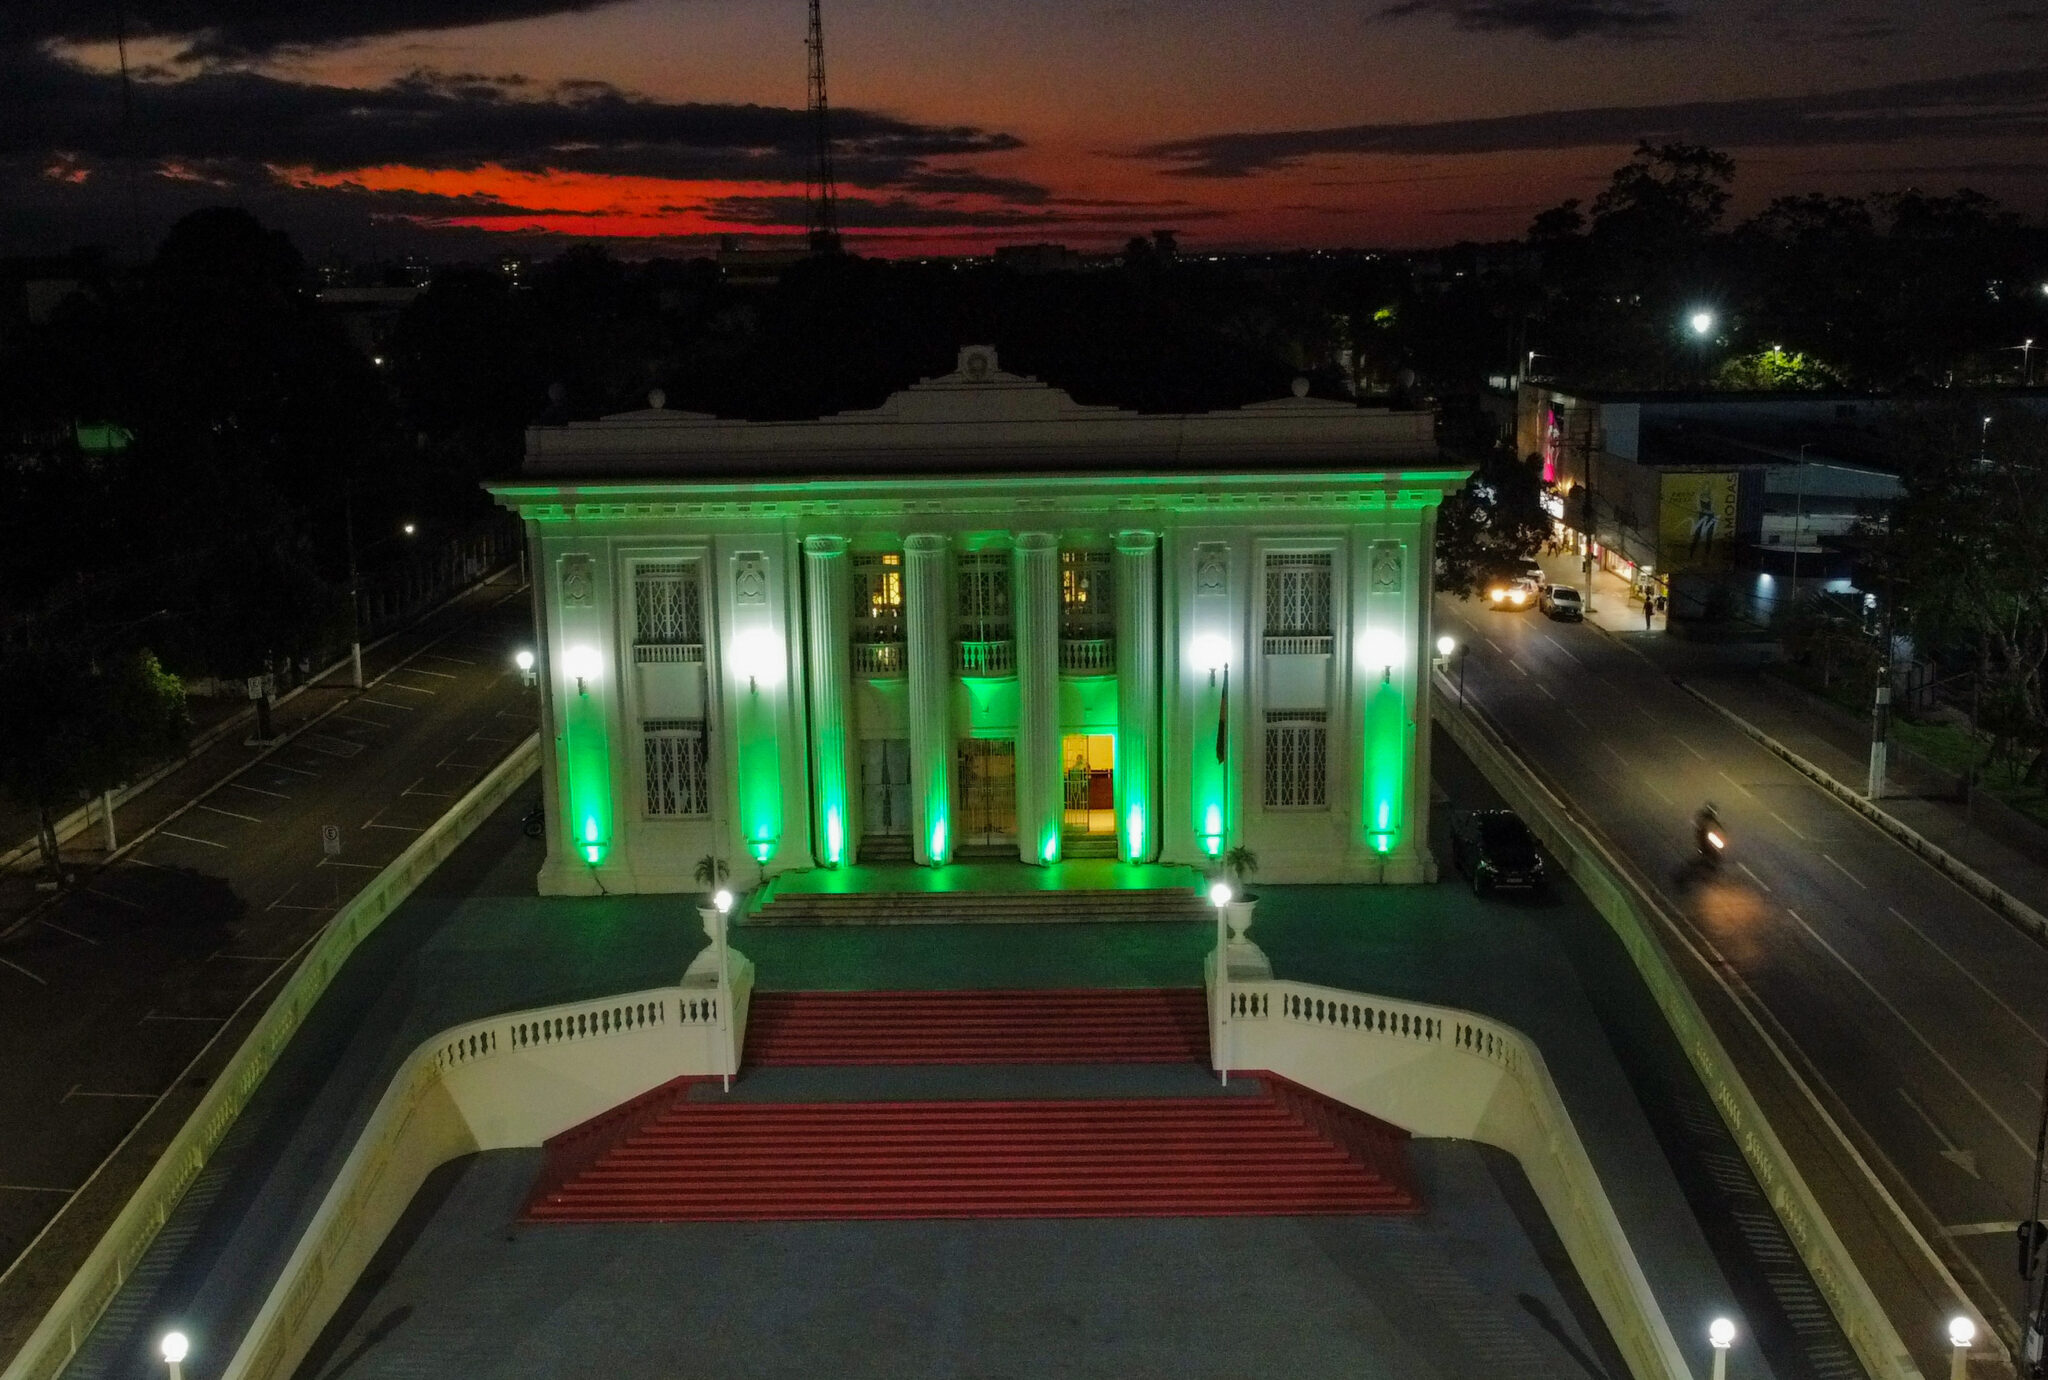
(987, 804)
(1088, 767)
(884, 790)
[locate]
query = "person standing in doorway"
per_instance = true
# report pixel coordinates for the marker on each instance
(1649, 608)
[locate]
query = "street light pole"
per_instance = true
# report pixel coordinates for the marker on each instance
(1721, 1333)
(355, 595)
(1961, 1332)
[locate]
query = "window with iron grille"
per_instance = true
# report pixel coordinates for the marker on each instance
(678, 784)
(1087, 596)
(878, 597)
(666, 609)
(1297, 773)
(1298, 594)
(984, 596)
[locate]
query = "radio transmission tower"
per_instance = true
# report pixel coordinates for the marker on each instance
(821, 194)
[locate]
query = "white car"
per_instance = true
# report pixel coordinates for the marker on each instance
(1513, 594)
(1562, 602)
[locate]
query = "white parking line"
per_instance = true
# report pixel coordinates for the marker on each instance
(359, 719)
(361, 867)
(1981, 1229)
(1690, 748)
(80, 1090)
(423, 671)
(1846, 872)
(258, 790)
(299, 771)
(389, 704)
(23, 971)
(119, 900)
(246, 958)
(52, 924)
(2025, 1145)
(458, 660)
(409, 689)
(189, 839)
(487, 738)
(216, 810)
(35, 1188)
(154, 1015)
(401, 828)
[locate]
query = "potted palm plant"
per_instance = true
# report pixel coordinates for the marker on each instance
(1246, 960)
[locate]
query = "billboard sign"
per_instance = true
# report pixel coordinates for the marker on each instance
(1696, 521)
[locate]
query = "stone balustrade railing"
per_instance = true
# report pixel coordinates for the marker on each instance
(511, 1080)
(988, 658)
(1088, 656)
(877, 658)
(1436, 1071)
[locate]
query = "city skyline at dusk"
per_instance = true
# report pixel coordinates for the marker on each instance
(455, 128)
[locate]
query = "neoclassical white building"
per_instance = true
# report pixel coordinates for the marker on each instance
(981, 621)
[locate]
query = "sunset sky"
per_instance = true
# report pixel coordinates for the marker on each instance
(456, 128)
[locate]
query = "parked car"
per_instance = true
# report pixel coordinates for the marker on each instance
(1535, 573)
(1513, 594)
(1495, 851)
(1562, 602)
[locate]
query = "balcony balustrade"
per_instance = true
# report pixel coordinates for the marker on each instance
(1088, 656)
(878, 658)
(988, 658)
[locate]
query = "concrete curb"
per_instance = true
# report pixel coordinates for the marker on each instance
(1634, 915)
(125, 1243)
(2022, 916)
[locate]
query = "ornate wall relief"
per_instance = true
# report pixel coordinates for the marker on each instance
(750, 578)
(579, 580)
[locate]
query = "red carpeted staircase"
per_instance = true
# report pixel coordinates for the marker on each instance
(1081, 1026)
(1285, 1151)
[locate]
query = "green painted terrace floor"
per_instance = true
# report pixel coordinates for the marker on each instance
(995, 876)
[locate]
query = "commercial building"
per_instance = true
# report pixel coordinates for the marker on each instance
(984, 621)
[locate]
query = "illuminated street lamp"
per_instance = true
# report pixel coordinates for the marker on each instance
(523, 659)
(174, 1348)
(1721, 1333)
(1961, 1332)
(1702, 322)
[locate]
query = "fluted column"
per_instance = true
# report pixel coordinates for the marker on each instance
(1137, 696)
(826, 674)
(929, 647)
(1035, 606)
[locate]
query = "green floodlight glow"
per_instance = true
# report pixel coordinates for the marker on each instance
(1386, 765)
(938, 844)
(835, 837)
(1052, 848)
(1134, 830)
(762, 849)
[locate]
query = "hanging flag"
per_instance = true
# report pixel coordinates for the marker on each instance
(1223, 718)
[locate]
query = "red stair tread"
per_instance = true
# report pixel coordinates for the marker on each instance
(1056, 1026)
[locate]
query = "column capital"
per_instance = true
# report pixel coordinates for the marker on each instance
(927, 541)
(1036, 541)
(1136, 543)
(825, 545)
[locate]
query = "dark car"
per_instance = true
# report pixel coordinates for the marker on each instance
(1496, 851)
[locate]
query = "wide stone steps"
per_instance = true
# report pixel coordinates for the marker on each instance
(979, 907)
(1283, 1151)
(1080, 1026)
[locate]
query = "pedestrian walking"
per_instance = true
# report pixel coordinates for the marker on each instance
(1649, 608)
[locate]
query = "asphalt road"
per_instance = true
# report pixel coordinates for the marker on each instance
(108, 994)
(1921, 1013)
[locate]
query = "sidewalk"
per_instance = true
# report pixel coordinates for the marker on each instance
(1729, 675)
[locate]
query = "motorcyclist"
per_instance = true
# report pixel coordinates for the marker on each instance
(1708, 835)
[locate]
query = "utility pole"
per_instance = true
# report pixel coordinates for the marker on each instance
(821, 192)
(355, 596)
(1881, 703)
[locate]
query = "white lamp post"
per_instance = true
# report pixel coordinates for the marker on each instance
(1721, 1333)
(1961, 1332)
(1220, 896)
(524, 661)
(721, 905)
(174, 1348)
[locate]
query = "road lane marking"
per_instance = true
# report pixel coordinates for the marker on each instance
(169, 834)
(486, 738)
(1753, 877)
(23, 971)
(1981, 1229)
(1615, 752)
(247, 958)
(1577, 720)
(231, 814)
(401, 828)
(1495, 645)
(35, 1188)
(359, 719)
(1562, 648)
(1733, 782)
(409, 689)
(2026, 1146)
(335, 862)
(458, 660)
(154, 1015)
(1546, 689)
(423, 671)
(297, 771)
(1788, 824)
(1921, 934)
(1845, 871)
(52, 924)
(1965, 1160)
(1649, 781)
(258, 790)
(80, 1090)
(1691, 749)
(1632, 704)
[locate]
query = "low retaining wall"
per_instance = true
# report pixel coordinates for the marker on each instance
(63, 1329)
(1631, 914)
(493, 1084)
(1436, 1071)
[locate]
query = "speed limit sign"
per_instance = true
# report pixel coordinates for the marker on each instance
(330, 840)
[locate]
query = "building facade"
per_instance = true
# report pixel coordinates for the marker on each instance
(983, 621)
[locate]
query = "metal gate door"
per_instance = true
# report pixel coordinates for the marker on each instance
(988, 791)
(885, 786)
